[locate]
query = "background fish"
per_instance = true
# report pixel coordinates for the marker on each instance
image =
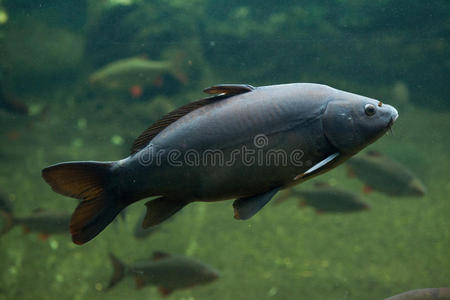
(326, 126)
(385, 175)
(41, 221)
(167, 272)
(325, 198)
(136, 73)
(423, 294)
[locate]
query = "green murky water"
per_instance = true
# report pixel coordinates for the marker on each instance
(397, 51)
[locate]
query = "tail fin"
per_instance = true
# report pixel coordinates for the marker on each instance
(119, 269)
(9, 222)
(90, 182)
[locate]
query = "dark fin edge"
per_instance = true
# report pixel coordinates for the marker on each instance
(160, 209)
(152, 131)
(88, 181)
(245, 208)
(231, 89)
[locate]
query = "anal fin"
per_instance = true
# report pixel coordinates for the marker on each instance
(245, 208)
(160, 209)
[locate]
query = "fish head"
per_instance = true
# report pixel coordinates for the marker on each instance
(210, 274)
(351, 122)
(361, 206)
(205, 273)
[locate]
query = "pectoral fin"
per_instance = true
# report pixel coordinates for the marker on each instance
(320, 165)
(245, 208)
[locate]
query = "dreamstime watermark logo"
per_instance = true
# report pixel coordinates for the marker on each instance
(260, 154)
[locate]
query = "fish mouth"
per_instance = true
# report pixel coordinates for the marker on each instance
(394, 117)
(395, 114)
(389, 126)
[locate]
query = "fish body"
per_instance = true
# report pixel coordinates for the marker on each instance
(314, 127)
(385, 175)
(331, 199)
(130, 72)
(423, 294)
(168, 272)
(286, 126)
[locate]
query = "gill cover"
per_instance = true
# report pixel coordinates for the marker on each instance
(338, 125)
(349, 127)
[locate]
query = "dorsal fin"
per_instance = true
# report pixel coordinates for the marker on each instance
(232, 89)
(170, 118)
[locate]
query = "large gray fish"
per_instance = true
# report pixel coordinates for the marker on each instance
(245, 143)
(423, 294)
(168, 272)
(40, 221)
(325, 198)
(385, 175)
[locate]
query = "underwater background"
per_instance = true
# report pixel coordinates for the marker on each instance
(52, 110)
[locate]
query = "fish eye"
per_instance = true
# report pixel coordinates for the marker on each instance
(370, 109)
